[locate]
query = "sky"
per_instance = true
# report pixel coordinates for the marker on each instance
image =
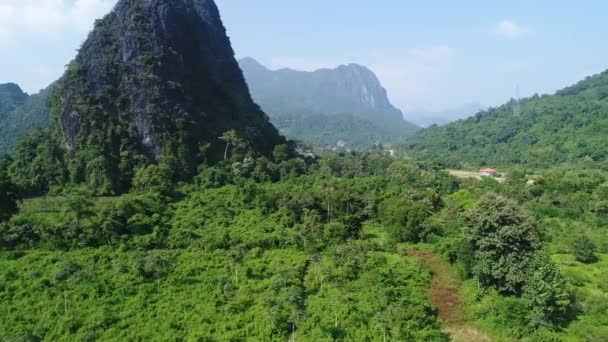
(432, 55)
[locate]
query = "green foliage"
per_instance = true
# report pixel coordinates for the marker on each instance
(405, 220)
(325, 131)
(281, 153)
(503, 240)
(254, 259)
(38, 163)
(20, 113)
(154, 179)
(8, 191)
(13, 235)
(566, 128)
(548, 294)
(347, 304)
(235, 143)
(11, 96)
(271, 250)
(584, 250)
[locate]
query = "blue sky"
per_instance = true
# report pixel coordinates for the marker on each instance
(433, 55)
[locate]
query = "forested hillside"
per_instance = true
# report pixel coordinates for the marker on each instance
(539, 132)
(20, 113)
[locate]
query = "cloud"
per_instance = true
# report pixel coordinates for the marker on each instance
(48, 18)
(510, 29)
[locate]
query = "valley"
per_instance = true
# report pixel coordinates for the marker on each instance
(162, 190)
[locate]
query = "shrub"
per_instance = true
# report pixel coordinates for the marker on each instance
(584, 250)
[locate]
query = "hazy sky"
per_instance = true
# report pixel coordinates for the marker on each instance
(433, 54)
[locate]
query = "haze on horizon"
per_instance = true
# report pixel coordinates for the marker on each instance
(430, 57)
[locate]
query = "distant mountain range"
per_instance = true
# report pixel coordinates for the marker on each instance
(346, 105)
(569, 127)
(19, 113)
(426, 118)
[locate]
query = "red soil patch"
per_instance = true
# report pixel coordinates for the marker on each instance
(445, 287)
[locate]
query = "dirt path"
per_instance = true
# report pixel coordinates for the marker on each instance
(444, 294)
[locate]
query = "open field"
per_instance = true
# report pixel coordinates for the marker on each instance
(471, 174)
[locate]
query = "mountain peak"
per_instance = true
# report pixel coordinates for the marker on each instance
(251, 63)
(348, 90)
(12, 87)
(355, 66)
(11, 96)
(158, 78)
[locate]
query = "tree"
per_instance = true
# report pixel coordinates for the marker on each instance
(237, 256)
(78, 207)
(404, 219)
(153, 178)
(503, 240)
(584, 250)
(155, 265)
(98, 176)
(547, 292)
(38, 163)
(14, 234)
(281, 153)
(8, 195)
(233, 140)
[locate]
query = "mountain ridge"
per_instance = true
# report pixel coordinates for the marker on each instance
(330, 95)
(567, 127)
(20, 114)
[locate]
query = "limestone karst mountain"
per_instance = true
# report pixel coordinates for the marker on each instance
(347, 103)
(156, 79)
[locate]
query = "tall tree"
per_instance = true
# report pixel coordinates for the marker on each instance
(503, 240)
(8, 191)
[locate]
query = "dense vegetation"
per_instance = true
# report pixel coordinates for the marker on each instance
(20, 113)
(312, 249)
(256, 249)
(539, 132)
(339, 132)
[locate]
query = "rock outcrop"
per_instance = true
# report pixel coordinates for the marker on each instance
(157, 78)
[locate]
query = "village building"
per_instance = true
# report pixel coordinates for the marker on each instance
(487, 172)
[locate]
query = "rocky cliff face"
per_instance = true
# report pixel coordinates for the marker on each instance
(346, 90)
(157, 78)
(360, 84)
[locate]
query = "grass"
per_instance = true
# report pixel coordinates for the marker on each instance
(591, 287)
(591, 279)
(46, 211)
